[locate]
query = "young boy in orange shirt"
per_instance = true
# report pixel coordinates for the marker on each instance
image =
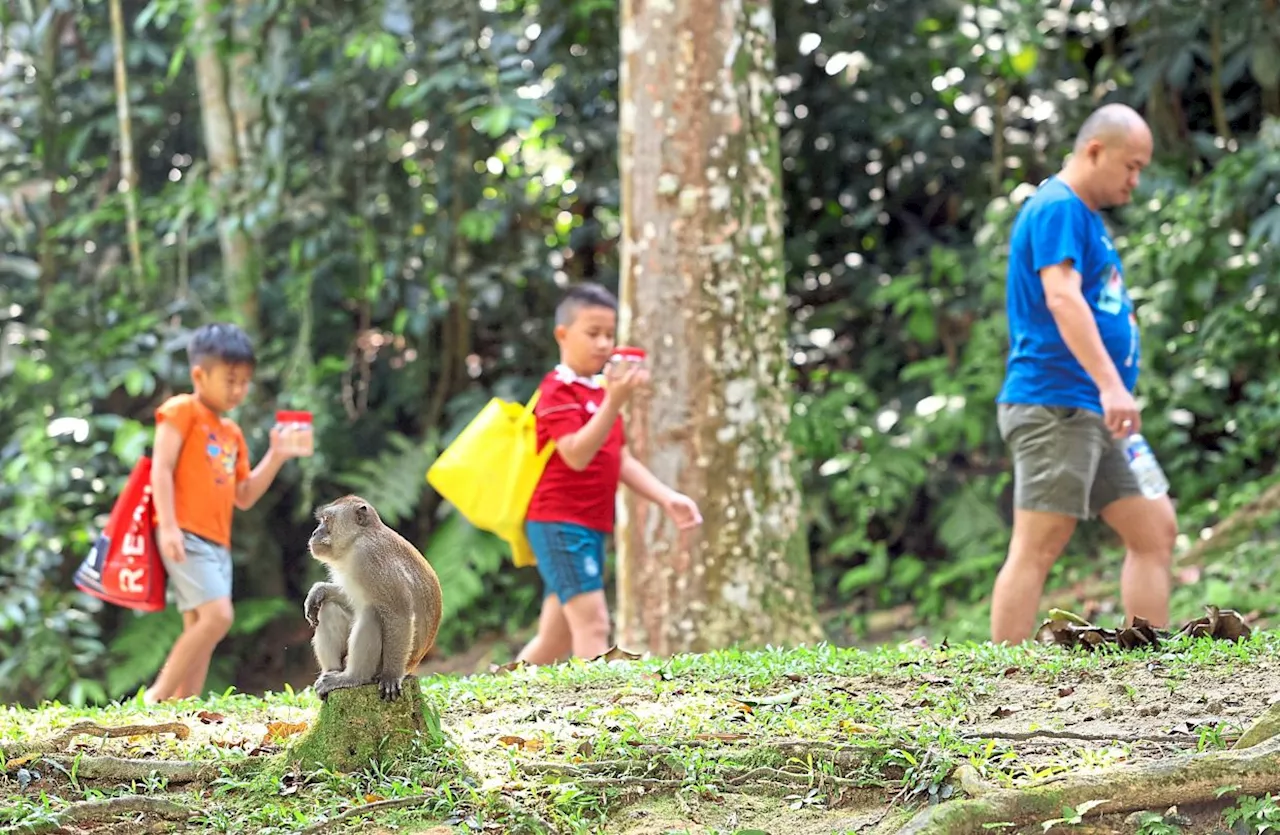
(572, 509)
(199, 472)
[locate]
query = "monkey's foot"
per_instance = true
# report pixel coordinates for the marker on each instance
(333, 680)
(389, 685)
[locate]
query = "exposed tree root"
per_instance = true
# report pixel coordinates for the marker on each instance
(57, 743)
(1023, 736)
(119, 768)
(1182, 780)
(370, 808)
(99, 810)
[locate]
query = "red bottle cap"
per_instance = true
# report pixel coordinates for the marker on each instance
(629, 353)
(293, 417)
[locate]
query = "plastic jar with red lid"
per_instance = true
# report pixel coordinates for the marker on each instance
(625, 353)
(296, 432)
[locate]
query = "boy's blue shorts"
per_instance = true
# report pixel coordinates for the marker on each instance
(570, 557)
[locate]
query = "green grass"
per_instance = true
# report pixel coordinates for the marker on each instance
(823, 732)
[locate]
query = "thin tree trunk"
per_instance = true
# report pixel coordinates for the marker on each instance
(703, 291)
(50, 149)
(224, 165)
(1216, 97)
(128, 175)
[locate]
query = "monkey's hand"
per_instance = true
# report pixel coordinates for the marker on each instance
(320, 594)
(315, 599)
(389, 685)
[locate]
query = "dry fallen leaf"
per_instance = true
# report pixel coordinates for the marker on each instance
(851, 727)
(719, 737)
(1005, 710)
(1063, 692)
(616, 653)
(521, 742)
(210, 718)
(279, 731)
(373, 798)
(508, 667)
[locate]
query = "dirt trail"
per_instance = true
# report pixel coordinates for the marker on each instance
(1041, 724)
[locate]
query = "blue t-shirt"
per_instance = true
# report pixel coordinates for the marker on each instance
(1054, 226)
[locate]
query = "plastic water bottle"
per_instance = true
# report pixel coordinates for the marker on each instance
(1151, 479)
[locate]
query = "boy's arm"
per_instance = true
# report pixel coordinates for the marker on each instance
(641, 481)
(249, 490)
(577, 448)
(637, 477)
(164, 459)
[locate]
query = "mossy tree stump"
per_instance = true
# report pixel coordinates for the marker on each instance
(355, 727)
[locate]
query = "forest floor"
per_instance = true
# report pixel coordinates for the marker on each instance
(798, 741)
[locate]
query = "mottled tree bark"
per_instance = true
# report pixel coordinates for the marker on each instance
(703, 291)
(222, 124)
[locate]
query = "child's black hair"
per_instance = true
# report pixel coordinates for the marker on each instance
(220, 342)
(587, 294)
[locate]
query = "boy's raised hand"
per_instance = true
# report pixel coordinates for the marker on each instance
(623, 379)
(277, 447)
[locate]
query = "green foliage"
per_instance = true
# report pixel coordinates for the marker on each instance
(425, 180)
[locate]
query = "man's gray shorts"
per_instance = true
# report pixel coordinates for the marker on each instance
(204, 576)
(1064, 460)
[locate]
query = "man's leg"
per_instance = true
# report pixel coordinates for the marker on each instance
(1055, 457)
(1038, 540)
(1148, 528)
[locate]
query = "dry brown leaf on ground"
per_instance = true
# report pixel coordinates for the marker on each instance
(279, 731)
(616, 653)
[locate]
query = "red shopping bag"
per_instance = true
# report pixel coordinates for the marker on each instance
(124, 566)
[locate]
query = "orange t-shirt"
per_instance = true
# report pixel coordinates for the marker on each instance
(212, 461)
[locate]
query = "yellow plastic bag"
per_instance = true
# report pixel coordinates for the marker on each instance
(491, 469)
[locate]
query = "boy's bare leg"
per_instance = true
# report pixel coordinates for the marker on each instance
(153, 694)
(187, 666)
(553, 641)
(219, 611)
(588, 616)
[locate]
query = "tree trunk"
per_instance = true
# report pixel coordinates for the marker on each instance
(128, 175)
(225, 175)
(703, 290)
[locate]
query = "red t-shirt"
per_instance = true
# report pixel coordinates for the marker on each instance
(563, 495)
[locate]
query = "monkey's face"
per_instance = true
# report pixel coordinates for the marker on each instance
(321, 542)
(338, 526)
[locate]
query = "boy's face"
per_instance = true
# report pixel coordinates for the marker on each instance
(586, 343)
(221, 386)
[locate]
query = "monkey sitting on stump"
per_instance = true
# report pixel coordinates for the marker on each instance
(378, 617)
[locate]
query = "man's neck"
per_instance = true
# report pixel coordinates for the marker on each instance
(1072, 180)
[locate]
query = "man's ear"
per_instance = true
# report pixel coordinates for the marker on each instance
(560, 332)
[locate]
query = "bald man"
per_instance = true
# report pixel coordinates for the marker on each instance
(1067, 400)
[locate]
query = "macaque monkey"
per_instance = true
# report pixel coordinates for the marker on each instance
(378, 617)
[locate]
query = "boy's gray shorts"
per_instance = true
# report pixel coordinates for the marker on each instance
(1065, 460)
(204, 576)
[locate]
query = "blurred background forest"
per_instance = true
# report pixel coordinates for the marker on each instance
(409, 187)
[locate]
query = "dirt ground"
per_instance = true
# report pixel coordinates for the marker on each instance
(1078, 720)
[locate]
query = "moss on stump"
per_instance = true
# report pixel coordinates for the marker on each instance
(356, 727)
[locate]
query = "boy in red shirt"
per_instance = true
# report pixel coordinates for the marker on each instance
(572, 509)
(199, 472)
